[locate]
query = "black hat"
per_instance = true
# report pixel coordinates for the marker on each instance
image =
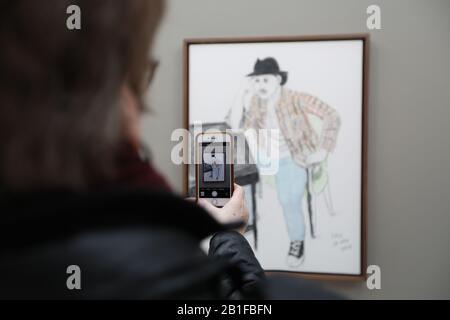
(268, 66)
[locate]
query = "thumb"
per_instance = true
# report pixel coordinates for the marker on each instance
(206, 205)
(237, 198)
(212, 210)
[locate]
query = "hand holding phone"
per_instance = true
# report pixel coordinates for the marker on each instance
(234, 211)
(214, 168)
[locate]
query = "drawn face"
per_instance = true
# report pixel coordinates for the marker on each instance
(266, 85)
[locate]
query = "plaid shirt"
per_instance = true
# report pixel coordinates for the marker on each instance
(292, 111)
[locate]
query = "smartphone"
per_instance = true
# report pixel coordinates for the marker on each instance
(214, 169)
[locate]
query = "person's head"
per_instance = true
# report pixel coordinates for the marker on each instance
(70, 98)
(267, 78)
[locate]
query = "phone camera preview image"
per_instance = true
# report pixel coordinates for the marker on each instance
(213, 166)
(214, 179)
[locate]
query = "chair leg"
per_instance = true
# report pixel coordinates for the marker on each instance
(309, 203)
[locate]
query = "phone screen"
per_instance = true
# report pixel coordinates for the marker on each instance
(214, 172)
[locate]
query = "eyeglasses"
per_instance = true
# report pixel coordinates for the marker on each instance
(147, 79)
(151, 70)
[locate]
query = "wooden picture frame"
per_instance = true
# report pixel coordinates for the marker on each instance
(364, 87)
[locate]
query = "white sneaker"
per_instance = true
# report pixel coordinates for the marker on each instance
(296, 254)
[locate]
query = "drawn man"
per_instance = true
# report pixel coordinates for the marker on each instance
(215, 169)
(270, 105)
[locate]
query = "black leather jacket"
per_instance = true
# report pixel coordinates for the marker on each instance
(128, 245)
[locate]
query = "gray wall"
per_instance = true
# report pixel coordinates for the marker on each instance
(409, 120)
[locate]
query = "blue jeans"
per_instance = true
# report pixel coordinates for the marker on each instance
(291, 186)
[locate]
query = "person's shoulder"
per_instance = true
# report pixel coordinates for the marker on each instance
(126, 244)
(296, 95)
(125, 263)
(291, 98)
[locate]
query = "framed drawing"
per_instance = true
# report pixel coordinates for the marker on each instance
(305, 176)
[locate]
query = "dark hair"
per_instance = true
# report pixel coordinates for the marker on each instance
(60, 122)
